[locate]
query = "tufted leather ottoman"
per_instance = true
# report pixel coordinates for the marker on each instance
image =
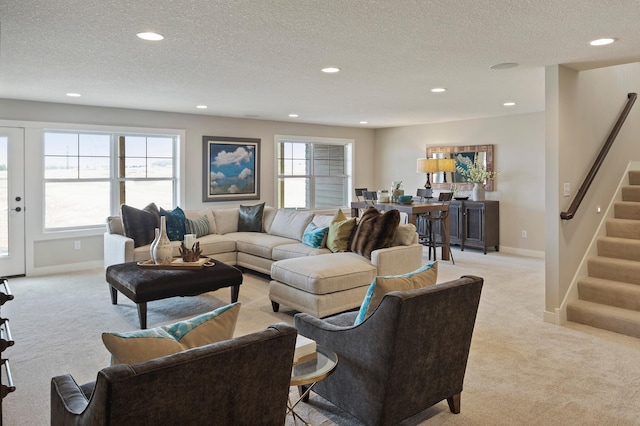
(145, 284)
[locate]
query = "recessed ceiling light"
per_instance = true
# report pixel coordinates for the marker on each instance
(201, 106)
(504, 66)
(150, 36)
(331, 70)
(438, 90)
(74, 95)
(602, 41)
(364, 122)
(293, 115)
(509, 104)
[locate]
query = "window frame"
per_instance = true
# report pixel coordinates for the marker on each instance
(115, 181)
(347, 144)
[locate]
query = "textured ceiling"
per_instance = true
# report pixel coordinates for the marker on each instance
(262, 58)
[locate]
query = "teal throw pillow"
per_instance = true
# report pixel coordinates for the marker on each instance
(381, 285)
(200, 226)
(314, 235)
(176, 221)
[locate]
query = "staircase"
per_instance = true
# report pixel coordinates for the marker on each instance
(609, 297)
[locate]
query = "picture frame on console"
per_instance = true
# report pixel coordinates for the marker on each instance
(231, 168)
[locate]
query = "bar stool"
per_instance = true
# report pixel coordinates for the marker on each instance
(437, 222)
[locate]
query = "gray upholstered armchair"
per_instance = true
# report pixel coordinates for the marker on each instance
(410, 354)
(240, 381)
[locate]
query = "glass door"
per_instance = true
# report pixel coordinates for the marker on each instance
(12, 231)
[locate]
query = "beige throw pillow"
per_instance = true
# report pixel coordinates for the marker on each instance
(142, 345)
(425, 276)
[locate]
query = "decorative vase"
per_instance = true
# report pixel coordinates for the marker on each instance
(396, 191)
(478, 192)
(154, 243)
(163, 252)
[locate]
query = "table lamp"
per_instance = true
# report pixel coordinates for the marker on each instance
(427, 165)
(447, 165)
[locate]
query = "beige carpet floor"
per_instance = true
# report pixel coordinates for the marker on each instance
(521, 370)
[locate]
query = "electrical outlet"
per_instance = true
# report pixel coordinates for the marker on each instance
(76, 245)
(524, 234)
(567, 190)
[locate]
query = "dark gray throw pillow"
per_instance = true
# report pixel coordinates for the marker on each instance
(139, 224)
(250, 218)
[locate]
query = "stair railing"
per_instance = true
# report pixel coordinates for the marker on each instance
(631, 98)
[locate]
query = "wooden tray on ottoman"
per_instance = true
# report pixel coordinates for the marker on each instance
(179, 263)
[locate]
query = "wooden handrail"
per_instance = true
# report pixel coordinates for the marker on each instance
(631, 98)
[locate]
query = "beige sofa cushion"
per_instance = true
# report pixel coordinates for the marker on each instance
(405, 235)
(213, 244)
(324, 274)
(257, 243)
(226, 220)
(290, 223)
(293, 250)
(268, 215)
(114, 225)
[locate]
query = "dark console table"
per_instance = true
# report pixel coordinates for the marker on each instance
(475, 224)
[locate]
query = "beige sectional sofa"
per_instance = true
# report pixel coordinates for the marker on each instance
(312, 280)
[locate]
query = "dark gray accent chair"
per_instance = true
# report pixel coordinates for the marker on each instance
(241, 381)
(410, 354)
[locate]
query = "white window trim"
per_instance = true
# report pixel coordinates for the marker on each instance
(349, 143)
(34, 136)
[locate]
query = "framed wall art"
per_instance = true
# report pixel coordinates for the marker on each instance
(231, 169)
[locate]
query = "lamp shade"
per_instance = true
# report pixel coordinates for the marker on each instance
(447, 165)
(427, 165)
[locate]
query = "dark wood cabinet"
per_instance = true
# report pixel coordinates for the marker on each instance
(474, 224)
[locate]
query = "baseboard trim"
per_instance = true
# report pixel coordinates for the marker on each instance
(60, 269)
(522, 252)
(552, 317)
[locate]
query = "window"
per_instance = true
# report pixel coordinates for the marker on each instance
(313, 173)
(88, 175)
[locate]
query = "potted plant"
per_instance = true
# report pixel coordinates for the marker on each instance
(477, 173)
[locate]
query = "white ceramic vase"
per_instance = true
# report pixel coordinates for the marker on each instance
(162, 252)
(478, 192)
(154, 243)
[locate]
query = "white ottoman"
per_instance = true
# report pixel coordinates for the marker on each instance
(321, 285)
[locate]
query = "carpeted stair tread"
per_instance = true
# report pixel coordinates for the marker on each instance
(627, 210)
(631, 193)
(607, 292)
(620, 248)
(627, 271)
(623, 228)
(634, 177)
(623, 321)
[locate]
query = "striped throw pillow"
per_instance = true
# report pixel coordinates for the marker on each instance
(200, 226)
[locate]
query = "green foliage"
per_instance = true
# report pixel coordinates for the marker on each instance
(476, 172)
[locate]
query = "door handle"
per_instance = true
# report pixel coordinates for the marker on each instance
(17, 209)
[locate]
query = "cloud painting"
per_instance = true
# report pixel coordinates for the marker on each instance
(232, 171)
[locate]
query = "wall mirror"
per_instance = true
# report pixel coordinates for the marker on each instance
(462, 154)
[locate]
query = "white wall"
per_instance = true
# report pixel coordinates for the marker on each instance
(52, 252)
(581, 109)
(519, 144)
